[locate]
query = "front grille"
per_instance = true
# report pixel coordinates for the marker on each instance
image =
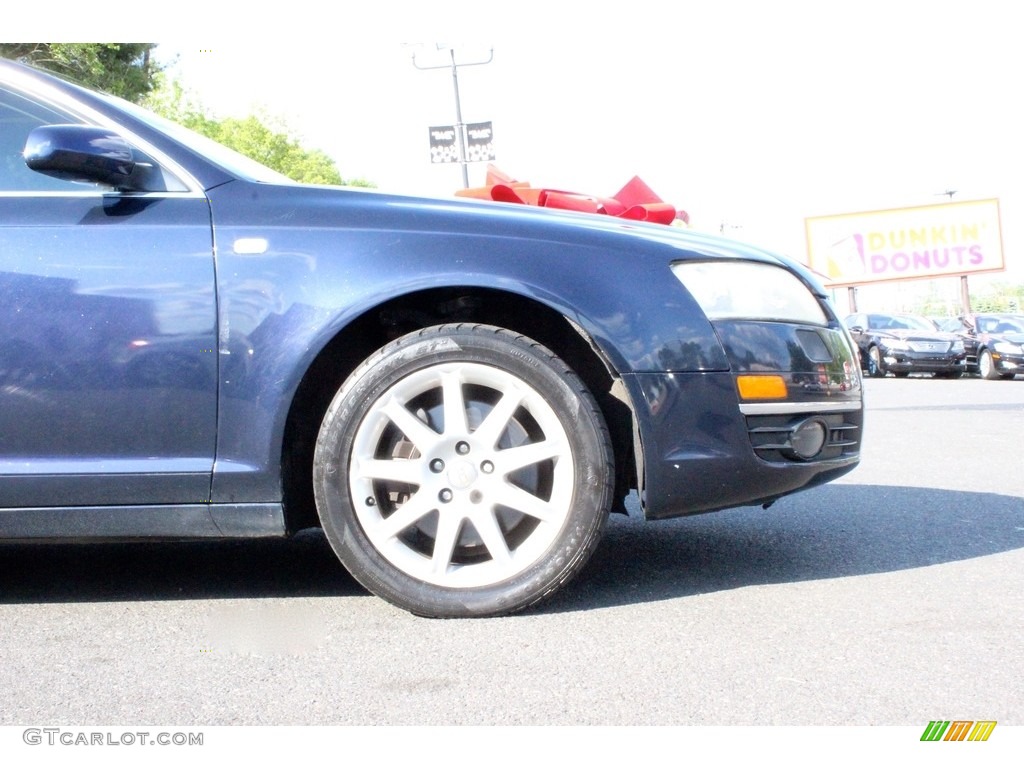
(929, 346)
(769, 435)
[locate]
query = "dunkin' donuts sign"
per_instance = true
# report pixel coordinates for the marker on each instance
(906, 243)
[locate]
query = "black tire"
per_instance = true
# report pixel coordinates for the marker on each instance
(517, 487)
(876, 368)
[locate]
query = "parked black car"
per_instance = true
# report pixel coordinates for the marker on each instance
(458, 392)
(904, 344)
(994, 344)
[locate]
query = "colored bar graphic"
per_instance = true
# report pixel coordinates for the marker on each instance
(958, 730)
(935, 730)
(982, 730)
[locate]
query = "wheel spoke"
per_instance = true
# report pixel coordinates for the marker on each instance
(528, 504)
(497, 420)
(486, 525)
(419, 434)
(454, 404)
(532, 453)
(448, 526)
(396, 470)
(407, 514)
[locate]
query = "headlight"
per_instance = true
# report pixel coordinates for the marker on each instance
(898, 345)
(1006, 348)
(958, 347)
(745, 290)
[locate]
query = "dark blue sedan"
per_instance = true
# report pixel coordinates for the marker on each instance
(458, 392)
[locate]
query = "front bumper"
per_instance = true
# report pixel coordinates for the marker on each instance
(703, 450)
(922, 362)
(717, 438)
(1007, 364)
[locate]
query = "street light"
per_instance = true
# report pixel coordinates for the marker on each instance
(460, 128)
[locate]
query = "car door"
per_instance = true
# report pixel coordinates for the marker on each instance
(108, 363)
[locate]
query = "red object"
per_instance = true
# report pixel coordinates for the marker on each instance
(635, 201)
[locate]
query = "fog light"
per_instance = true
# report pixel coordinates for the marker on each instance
(808, 438)
(761, 387)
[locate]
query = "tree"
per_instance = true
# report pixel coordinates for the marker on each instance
(1000, 297)
(275, 149)
(122, 69)
(264, 139)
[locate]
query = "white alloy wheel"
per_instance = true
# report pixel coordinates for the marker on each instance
(492, 489)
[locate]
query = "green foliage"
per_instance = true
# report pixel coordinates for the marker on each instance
(931, 307)
(128, 70)
(263, 139)
(997, 297)
(275, 149)
(122, 69)
(1002, 298)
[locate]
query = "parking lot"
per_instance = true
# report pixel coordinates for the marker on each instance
(891, 597)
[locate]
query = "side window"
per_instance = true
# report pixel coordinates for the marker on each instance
(18, 116)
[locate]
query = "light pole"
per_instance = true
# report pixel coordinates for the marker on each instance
(460, 128)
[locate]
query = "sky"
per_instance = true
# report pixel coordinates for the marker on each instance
(751, 116)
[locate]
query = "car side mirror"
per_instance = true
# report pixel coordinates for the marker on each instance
(80, 153)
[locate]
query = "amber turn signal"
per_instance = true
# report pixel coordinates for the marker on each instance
(761, 387)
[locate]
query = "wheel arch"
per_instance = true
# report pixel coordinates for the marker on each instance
(380, 324)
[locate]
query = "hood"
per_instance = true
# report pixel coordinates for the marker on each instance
(374, 208)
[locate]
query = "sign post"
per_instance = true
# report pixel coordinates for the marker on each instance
(459, 127)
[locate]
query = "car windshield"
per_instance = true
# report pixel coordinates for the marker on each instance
(950, 324)
(899, 323)
(1001, 325)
